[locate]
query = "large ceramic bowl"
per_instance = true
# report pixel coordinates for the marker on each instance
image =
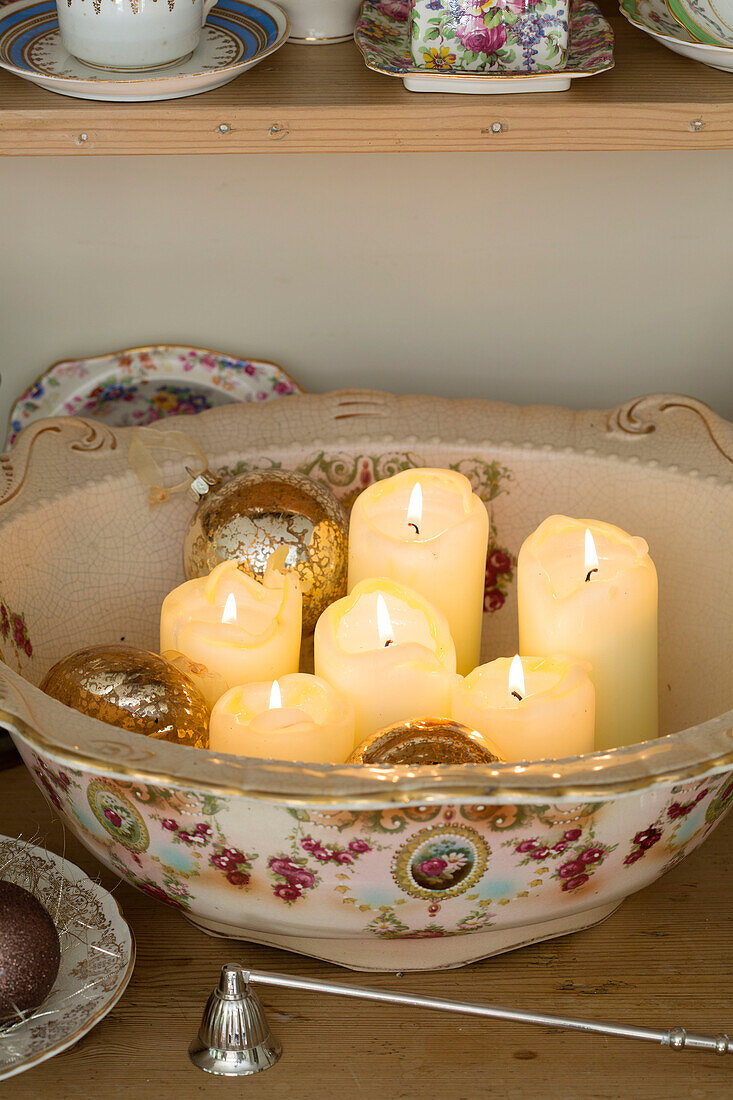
(384, 868)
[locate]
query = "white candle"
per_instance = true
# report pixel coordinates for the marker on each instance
(298, 717)
(237, 629)
(529, 708)
(426, 528)
(589, 590)
(390, 651)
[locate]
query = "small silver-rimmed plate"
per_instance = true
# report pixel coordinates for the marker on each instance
(97, 954)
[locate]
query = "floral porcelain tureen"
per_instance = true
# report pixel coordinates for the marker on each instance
(377, 867)
(474, 35)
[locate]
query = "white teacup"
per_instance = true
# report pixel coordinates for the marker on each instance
(131, 34)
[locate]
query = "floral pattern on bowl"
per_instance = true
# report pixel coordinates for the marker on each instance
(141, 385)
(383, 37)
(413, 872)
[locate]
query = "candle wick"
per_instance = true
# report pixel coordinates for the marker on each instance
(417, 529)
(588, 575)
(517, 696)
(390, 641)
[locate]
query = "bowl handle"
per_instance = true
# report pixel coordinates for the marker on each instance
(14, 710)
(644, 415)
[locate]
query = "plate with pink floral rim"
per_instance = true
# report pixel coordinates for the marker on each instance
(97, 952)
(382, 36)
(141, 385)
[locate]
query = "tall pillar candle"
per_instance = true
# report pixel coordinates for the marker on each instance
(589, 590)
(237, 629)
(390, 651)
(297, 717)
(427, 529)
(529, 708)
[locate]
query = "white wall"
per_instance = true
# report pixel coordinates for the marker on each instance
(578, 279)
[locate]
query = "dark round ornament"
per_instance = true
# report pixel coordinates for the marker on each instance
(29, 952)
(424, 741)
(132, 688)
(253, 515)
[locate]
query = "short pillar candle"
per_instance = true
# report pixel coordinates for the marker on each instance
(529, 708)
(237, 629)
(390, 651)
(298, 717)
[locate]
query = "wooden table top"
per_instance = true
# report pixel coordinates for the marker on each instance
(663, 959)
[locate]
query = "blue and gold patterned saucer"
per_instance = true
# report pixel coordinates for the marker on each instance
(236, 36)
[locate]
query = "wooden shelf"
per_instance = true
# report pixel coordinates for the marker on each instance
(324, 100)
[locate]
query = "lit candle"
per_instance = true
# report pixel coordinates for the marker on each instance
(298, 717)
(427, 529)
(237, 629)
(588, 589)
(529, 708)
(390, 651)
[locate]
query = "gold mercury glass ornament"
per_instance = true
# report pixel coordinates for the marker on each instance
(254, 515)
(424, 741)
(132, 688)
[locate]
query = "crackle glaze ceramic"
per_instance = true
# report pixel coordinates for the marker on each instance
(383, 35)
(378, 867)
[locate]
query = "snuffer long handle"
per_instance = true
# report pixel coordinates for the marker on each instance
(677, 1038)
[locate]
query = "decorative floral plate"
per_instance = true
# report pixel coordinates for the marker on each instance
(652, 17)
(704, 21)
(236, 36)
(382, 35)
(141, 385)
(97, 955)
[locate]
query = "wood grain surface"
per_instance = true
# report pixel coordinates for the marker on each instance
(665, 958)
(325, 100)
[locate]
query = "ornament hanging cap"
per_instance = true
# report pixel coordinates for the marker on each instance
(151, 448)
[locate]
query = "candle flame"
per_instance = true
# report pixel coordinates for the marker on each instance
(276, 701)
(384, 623)
(229, 614)
(591, 555)
(414, 508)
(516, 678)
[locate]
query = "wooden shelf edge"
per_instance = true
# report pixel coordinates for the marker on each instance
(324, 100)
(94, 129)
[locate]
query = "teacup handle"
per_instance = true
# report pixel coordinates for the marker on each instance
(208, 5)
